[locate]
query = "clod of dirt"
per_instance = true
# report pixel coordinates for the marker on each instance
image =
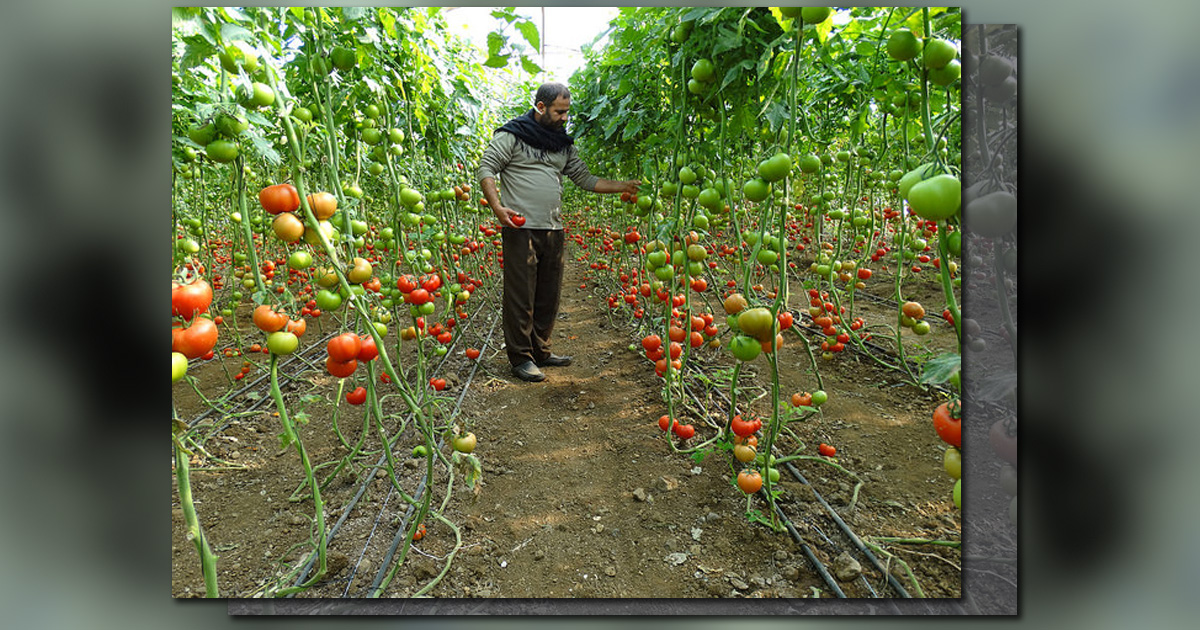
(846, 568)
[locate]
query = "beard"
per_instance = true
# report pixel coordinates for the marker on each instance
(545, 122)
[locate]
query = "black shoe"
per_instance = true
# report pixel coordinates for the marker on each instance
(554, 360)
(527, 371)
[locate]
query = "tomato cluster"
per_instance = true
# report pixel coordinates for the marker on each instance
(188, 302)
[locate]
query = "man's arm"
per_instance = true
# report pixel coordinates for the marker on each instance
(614, 186)
(494, 159)
(503, 215)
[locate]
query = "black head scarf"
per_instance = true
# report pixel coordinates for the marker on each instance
(537, 135)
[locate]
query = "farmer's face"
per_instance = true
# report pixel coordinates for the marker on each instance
(554, 115)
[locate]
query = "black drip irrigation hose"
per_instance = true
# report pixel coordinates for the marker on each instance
(403, 527)
(817, 564)
(256, 384)
(808, 553)
(347, 509)
(854, 539)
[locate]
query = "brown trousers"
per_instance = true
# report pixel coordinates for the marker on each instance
(533, 271)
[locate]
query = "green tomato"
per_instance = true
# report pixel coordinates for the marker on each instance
(420, 451)
(261, 95)
(756, 189)
(687, 175)
(703, 70)
(954, 243)
(952, 462)
(745, 348)
(179, 365)
(810, 163)
(282, 342)
(464, 443)
(221, 151)
(947, 74)
(938, 53)
(300, 260)
(814, 15)
(776, 167)
(328, 300)
(903, 45)
(936, 198)
(819, 397)
(911, 178)
(958, 494)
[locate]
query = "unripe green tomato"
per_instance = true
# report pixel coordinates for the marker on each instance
(952, 462)
(179, 365)
(282, 342)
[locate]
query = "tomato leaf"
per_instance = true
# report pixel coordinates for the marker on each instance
(496, 41)
(530, 31)
(498, 61)
(529, 66)
(199, 48)
(233, 32)
(939, 369)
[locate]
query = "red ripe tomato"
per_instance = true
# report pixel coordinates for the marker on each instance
(472, 353)
(358, 396)
(297, 327)
(749, 481)
(367, 349)
(268, 320)
(279, 198)
(744, 428)
(651, 342)
(432, 283)
(418, 296)
(196, 340)
(344, 347)
(189, 299)
(826, 450)
(786, 319)
(438, 383)
(685, 431)
(665, 423)
(341, 369)
(518, 220)
(947, 421)
(406, 283)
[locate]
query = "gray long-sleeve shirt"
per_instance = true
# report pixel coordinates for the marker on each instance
(531, 180)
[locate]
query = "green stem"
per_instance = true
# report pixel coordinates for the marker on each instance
(208, 561)
(293, 436)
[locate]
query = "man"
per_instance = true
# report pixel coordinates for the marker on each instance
(530, 154)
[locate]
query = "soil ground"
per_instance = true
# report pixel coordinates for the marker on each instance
(581, 495)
